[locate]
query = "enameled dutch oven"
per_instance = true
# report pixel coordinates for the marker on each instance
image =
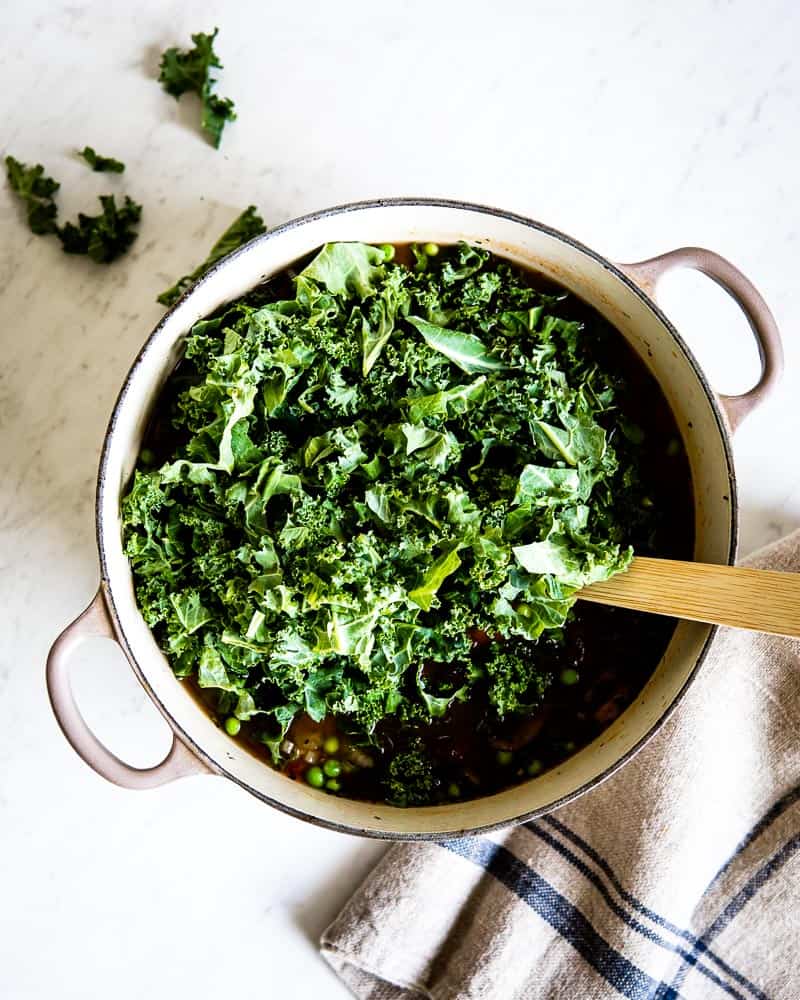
(623, 293)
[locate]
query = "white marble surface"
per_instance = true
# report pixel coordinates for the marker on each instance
(636, 126)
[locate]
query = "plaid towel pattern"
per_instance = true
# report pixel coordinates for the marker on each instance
(678, 878)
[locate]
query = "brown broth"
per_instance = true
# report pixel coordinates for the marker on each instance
(613, 651)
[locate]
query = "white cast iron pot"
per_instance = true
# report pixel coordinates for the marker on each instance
(623, 294)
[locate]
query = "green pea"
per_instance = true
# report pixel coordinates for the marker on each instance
(147, 456)
(453, 790)
(232, 725)
(332, 768)
(504, 757)
(331, 745)
(333, 785)
(431, 249)
(315, 777)
(535, 767)
(388, 251)
(569, 677)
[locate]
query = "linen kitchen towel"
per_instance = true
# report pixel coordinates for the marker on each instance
(678, 877)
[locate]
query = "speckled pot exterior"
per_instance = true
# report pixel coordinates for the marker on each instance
(624, 294)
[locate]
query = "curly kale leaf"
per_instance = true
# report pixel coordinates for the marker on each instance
(244, 228)
(101, 164)
(102, 237)
(106, 236)
(35, 189)
(410, 780)
(190, 71)
(516, 683)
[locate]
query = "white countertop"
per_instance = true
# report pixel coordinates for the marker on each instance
(635, 126)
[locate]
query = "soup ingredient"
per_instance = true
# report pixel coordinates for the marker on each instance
(101, 164)
(35, 189)
(244, 228)
(102, 237)
(106, 236)
(332, 768)
(516, 680)
(190, 70)
(411, 781)
(315, 776)
(367, 471)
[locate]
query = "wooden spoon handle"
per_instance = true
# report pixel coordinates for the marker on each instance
(758, 599)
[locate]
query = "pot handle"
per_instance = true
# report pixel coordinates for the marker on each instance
(94, 622)
(648, 273)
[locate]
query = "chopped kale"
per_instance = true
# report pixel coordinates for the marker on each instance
(410, 780)
(183, 71)
(243, 229)
(361, 475)
(35, 189)
(516, 682)
(101, 164)
(102, 237)
(106, 236)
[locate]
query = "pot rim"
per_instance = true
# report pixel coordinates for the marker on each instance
(722, 424)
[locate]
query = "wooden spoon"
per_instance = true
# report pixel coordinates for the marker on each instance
(759, 599)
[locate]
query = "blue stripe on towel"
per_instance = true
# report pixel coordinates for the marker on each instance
(739, 901)
(763, 824)
(566, 919)
(647, 932)
(691, 957)
(604, 866)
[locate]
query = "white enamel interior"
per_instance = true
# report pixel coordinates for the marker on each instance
(519, 240)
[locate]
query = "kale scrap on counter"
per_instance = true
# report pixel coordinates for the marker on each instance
(190, 71)
(364, 470)
(102, 237)
(101, 164)
(243, 229)
(106, 236)
(36, 191)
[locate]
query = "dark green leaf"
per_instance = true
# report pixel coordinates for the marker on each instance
(36, 191)
(190, 71)
(101, 164)
(106, 236)
(244, 228)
